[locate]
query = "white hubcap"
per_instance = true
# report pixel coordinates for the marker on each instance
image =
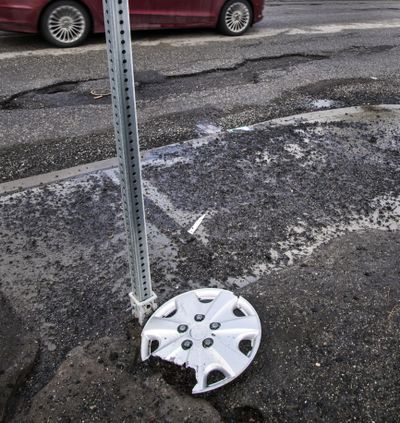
(210, 330)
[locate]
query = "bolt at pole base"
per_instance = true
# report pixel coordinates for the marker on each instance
(142, 308)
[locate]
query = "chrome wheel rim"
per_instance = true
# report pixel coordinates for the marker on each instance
(237, 17)
(66, 24)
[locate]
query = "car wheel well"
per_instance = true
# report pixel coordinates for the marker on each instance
(75, 1)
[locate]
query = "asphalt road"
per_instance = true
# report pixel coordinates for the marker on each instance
(302, 57)
(302, 217)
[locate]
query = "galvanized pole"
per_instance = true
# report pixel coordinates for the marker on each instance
(120, 62)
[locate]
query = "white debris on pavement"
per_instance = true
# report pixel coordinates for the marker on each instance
(196, 224)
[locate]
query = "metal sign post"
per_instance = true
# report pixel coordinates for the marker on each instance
(120, 62)
(203, 329)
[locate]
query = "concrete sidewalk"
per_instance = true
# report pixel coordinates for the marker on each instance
(274, 194)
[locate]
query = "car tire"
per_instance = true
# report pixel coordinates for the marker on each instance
(65, 23)
(236, 17)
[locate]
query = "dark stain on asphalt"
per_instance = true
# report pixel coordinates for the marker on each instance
(63, 246)
(54, 95)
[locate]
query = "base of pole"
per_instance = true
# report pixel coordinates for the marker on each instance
(141, 308)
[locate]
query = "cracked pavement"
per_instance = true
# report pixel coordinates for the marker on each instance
(302, 219)
(302, 216)
(189, 82)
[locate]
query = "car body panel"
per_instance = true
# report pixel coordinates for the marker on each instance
(171, 13)
(21, 15)
(24, 15)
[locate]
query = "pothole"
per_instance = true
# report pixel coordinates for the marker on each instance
(151, 83)
(58, 95)
(247, 71)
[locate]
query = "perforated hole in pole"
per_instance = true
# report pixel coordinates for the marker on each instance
(130, 186)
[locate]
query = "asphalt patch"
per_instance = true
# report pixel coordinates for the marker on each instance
(273, 196)
(330, 343)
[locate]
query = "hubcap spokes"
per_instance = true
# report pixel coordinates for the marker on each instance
(66, 24)
(237, 17)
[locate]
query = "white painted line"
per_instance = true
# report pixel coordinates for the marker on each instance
(188, 40)
(180, 217)
(53, 52)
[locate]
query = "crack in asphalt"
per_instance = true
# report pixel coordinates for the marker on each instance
(244, 62)
(374, 9)
(23, 160)
(369, 49)
(67, 93)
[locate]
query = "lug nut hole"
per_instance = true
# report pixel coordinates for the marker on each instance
(182, 328)
(207, 342)
(186, 344)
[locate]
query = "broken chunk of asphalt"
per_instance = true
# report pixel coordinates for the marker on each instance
(329, 353)
(18, 351)
(90, 387)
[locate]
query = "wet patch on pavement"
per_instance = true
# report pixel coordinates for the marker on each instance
(271, 195)
(331, 337)
(251, 182)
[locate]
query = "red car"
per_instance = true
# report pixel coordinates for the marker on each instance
(67, 23)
